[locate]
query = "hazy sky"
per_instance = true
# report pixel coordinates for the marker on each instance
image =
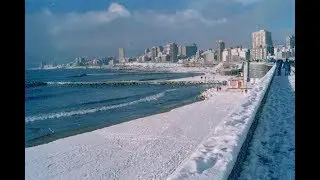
(65, 29)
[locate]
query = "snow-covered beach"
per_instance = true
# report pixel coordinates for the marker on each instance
(147, 148)
(196, 141)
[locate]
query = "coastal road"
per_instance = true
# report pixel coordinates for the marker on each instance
(146, 148)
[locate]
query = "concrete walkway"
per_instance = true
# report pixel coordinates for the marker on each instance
(271, 154)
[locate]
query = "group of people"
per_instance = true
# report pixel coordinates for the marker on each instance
(286, 65)
(218, 88)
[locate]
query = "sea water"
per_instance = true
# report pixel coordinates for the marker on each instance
(58, 111)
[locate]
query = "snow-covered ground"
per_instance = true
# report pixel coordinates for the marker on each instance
(216, 155)
(168, 67)
(147, 66)
(272, 149)
(146, 148)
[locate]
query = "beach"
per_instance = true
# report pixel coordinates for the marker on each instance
(145, 148)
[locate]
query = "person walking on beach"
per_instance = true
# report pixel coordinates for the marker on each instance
(286, 67)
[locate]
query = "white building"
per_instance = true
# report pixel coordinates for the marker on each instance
(208, 57)
(224, 55)
(290, 42)
(165, 58)
(111, 62)
(121, 55)
(262, 45)
(282, 52)
(166, 49)
(220, 48)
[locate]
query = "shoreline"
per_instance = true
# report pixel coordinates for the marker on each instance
(172, 134)
(192, 79)
(55, 137)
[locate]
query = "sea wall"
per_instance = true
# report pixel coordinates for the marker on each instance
(218, 156)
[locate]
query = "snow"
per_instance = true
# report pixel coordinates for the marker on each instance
(168, 67)
(146, 148)
(272, 150)
(216, 155)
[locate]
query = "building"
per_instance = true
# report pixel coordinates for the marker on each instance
(236, 83)
(225, 55)
(183, 51)
(238, 54)
(190, 50)
(220, 47)
(198, 54)
(159, 49)
(166, 49)
(180, 50)
(262, 45)
(165, 58)
(121, 55)
(208, 57)
(290, 42)
(111, 62)
(154, 53)
(173, 52)
(146, 51)
(244, 54)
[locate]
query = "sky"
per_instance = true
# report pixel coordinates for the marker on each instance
(61, 30)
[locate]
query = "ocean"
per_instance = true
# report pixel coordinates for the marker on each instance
(58, 111)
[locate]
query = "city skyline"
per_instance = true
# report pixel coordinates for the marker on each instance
(65, 30)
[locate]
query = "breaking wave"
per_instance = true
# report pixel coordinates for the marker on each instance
(93, 110)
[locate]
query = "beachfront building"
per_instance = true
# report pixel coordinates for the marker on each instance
(154, 53)
(226, 55)
(230, 69)
(146, 51)
(121, 56)
(173, 52)
(236, 82)
(159, 49)
(208, 57)
(165, 58)
(262, 45)
(166, 49)
(238, 54)
(191, 50)
(220, 48)
(290, 42)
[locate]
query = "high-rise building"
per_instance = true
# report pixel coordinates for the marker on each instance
(220, 47)
(191, 50)
(184, 51)
(121, 56)
(262, 45)
(290, 42)
(180, 50)
(154, 53)
(173, 52)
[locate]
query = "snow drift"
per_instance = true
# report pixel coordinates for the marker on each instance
(216, 156)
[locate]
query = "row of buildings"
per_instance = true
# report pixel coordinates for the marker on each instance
(262, 49)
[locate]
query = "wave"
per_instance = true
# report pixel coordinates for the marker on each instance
(114, 99)
(93, 110)
(34, 84)
(103, 74)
